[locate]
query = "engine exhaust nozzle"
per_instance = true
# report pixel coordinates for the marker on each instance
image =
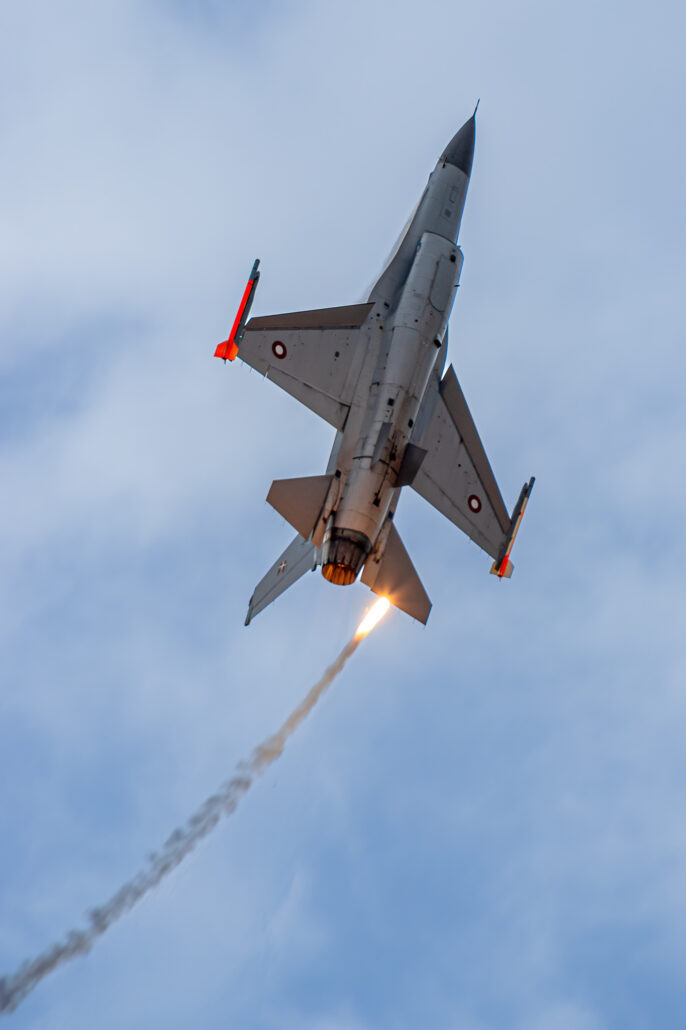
(344, 552)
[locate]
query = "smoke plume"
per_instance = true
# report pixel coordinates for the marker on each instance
(15, 987)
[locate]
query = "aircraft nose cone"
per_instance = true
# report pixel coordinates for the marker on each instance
(460, 150)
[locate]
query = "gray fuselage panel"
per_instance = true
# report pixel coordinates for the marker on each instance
(412, 301)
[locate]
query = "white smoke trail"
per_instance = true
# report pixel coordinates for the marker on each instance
(14, 988)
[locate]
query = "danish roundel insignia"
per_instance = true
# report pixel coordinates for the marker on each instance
(279, 349)
(474, 503)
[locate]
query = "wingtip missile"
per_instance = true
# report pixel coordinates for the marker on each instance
(502, 567)
(228, 349)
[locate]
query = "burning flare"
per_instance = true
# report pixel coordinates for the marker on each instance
(373, 616)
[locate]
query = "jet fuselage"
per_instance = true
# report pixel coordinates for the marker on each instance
(375, 372)
(412, 302)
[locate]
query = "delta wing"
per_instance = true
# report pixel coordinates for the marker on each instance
(315, 356)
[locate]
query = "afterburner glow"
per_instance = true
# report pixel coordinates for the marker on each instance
(373, 616)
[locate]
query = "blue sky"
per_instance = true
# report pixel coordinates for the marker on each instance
(482, 825)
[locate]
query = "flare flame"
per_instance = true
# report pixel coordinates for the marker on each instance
(373, 616)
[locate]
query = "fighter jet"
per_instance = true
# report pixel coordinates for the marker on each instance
(374, 371)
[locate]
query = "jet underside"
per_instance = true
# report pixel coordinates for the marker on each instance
(374, 371)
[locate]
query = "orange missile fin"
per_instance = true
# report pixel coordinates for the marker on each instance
(227, 350)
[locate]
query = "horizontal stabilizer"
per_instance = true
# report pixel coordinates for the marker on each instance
(299, 557)
(300, 501)
(395, 577)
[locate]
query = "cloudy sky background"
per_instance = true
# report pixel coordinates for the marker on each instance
(483, 824)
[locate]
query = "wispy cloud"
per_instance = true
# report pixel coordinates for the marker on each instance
(496, 841)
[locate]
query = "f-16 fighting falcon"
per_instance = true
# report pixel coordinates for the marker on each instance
(374, 371)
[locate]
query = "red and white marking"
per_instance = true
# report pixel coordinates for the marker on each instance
(474, 503)
(279, 349)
